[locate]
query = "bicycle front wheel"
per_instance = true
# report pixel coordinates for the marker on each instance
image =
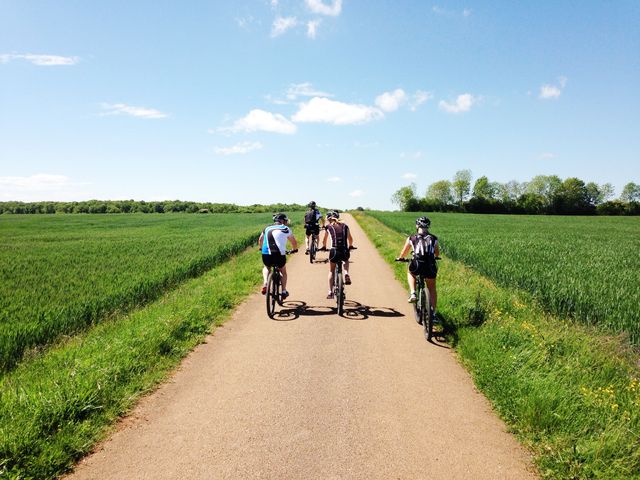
(427, 316)
(313, 248)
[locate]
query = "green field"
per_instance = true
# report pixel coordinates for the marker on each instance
(59, 274)
(584, 267)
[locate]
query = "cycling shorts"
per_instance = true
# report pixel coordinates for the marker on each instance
(426, 269)
(274, 260)
(310, 229)
(339, 255)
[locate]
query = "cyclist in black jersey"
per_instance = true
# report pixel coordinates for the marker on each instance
(313, 219)
(341, 242)
(425, 250)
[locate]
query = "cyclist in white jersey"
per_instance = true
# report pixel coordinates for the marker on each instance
(274, 240)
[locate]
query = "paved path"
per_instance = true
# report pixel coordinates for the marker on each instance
(315, 396)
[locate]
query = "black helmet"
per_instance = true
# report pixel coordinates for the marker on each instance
(423, 222)
(333, 214)
(312, 204)
(280, 217)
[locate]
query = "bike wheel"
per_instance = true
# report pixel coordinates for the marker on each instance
(313, 248)
(340, 293)
(417, 311)
(272, 294)
(427, 317)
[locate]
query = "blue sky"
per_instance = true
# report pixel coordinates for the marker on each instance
(341, 102)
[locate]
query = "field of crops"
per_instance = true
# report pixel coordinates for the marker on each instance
(59, 274)
(584, 267)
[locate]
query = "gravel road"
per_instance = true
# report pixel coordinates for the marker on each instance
(311, 395)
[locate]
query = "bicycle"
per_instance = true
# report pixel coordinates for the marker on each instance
(423, 308)
(313, 246)
(274, 288)
(338, 286)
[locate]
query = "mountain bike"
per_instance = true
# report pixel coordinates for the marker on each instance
(423, 308)
(274, 288)
(338, 286)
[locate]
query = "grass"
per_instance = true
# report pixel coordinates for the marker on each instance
(570, 393)
(586, 268)
(60, 274)
(53, 408)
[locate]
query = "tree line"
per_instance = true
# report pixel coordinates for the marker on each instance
(543, 194)
(133, 206)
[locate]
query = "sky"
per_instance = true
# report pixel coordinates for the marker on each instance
(337, 101)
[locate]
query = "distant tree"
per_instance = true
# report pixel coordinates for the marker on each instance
(483, 188)
(599, 193)
(573, 197)
(406, 198)
(440, 192)
(546, 187)
(461, 185)
(630, 193)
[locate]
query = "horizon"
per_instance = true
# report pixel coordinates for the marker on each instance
(274, 101)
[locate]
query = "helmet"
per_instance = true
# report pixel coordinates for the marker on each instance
(312, 204)
(333, 214)
(280, 217)
(423, 222)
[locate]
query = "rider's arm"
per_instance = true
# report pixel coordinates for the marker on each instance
(349, 238)
(324, 239)
(294, 242)
(260, 239)
(437, 250)
(406, 248)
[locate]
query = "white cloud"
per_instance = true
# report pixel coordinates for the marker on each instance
(547, 156)
(40, 187)
(391, 101)
(260, 120)
(466, 12)
(451, 13)
(282, 24)
(139, 112)
(318, 6)
(40, 60)
(239, 149)
(415, 155)
(323, 110)
(312, 28)
(548, 91)
(409, 176)
(356, 193)
(304, 90)
(334, 179)
(419, 98)
(463, 103)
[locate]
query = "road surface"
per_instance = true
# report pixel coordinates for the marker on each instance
(310, 395)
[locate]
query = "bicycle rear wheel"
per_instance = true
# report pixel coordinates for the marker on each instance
(339, 293)
(273, 293)
(313, 248)
(427, 316)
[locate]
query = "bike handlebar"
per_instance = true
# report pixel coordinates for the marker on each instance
(289, 252)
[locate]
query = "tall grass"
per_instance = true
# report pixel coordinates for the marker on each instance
(570, 393)
(584, 267)
(59, 274)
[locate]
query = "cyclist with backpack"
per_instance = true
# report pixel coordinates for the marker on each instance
(274, 240)
(341, 243)
(425, 250)
(312, 220)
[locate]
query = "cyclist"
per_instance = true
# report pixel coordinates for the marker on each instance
(425, 250)
(341, 242)
(274, 240)
(312, 220)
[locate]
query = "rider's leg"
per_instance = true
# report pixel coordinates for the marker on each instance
(283, 277)
(411, 280)
(431, 285)
(332, 269)
(265, 274)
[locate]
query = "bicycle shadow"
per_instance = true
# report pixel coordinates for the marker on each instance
(294, 309)
(445, 330)
(356, 311)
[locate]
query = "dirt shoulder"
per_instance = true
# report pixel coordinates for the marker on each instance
(313, 395)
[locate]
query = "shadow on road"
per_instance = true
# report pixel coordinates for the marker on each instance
(294, 309)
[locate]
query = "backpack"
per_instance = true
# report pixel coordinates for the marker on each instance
(310, 217)
(424, 249)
